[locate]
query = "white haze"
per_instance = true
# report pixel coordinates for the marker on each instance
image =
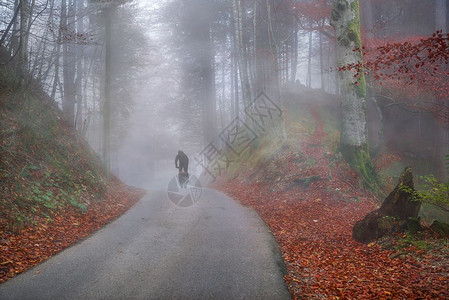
(145, 156)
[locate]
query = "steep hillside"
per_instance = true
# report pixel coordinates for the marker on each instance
(52, 188)
(310, 199)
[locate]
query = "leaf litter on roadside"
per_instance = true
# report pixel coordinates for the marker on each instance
(36, 243)
(313, 227)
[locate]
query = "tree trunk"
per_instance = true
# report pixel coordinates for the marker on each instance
(13, 20)
(235, 81)
(69, 62)
(41, 56)
(13, 48)
(275, 68)
(233, 86)
(223, 117)
(440, 15)
(294, 64)
(329, 77)
(208, 87)
(57, 51)
(79, 61)
(353, 137)
(107, 96)
(263, 51)
(242, 57)
(23, 41)
(321, 62)
(309, 62)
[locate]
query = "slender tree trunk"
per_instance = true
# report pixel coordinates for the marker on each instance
(41, 56)
(309, 62)
(235, 81)
(329, 77)
(262, 48)
(233, 87)
(13, 20)
(253, 56)
(79, 61)
(57, 51)
(69, 62)
(222, 97)
(13, 48)
(242, 58)
(107, 96)
(321, 62)
(440, 17)
(29, 22)
(274, 78)
(287, 59)
(23, 41)
(294, 64)
(208, 86)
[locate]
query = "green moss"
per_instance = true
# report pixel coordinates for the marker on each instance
(360, 161)
(386, 223)
(413, 225)
(354, 36)
(411, 240)
(360, 88)
(354, 26)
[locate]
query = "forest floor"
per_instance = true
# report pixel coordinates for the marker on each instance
(34, 244)
(53, 189)
(312, 222)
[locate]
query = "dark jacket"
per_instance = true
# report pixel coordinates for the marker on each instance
(182, 159)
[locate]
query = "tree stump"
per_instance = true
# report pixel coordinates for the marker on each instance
(395, 210)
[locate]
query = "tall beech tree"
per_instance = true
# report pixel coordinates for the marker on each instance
(353, 137)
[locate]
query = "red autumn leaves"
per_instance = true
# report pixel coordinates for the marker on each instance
(32, 245)
(313, 227)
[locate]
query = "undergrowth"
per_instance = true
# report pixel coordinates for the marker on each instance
(44, 166)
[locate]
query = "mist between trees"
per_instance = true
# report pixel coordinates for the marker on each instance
(142, 79)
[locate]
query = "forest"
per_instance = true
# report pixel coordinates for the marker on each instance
(328, 118)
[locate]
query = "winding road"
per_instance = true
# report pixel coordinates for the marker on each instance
(215, 249)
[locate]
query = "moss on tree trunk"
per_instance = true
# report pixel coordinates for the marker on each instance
(360, 161)
(353, 138)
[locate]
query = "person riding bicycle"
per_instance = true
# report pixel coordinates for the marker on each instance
(183, 167)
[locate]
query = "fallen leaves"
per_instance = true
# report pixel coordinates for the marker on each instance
(313, 227)
(35, 244)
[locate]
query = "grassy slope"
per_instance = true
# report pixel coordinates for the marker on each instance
(48, 175)
(45, 165)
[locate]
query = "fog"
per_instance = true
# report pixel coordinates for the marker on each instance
(188, 83)
(156, 128)
(306, 113)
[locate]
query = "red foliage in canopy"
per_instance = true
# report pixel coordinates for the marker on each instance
(314, 10)
(421, 63)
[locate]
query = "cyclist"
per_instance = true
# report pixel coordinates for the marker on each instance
(183, 167)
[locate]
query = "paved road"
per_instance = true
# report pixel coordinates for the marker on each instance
(216, 249)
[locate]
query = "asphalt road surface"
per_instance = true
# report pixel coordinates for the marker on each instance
(215, 249)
